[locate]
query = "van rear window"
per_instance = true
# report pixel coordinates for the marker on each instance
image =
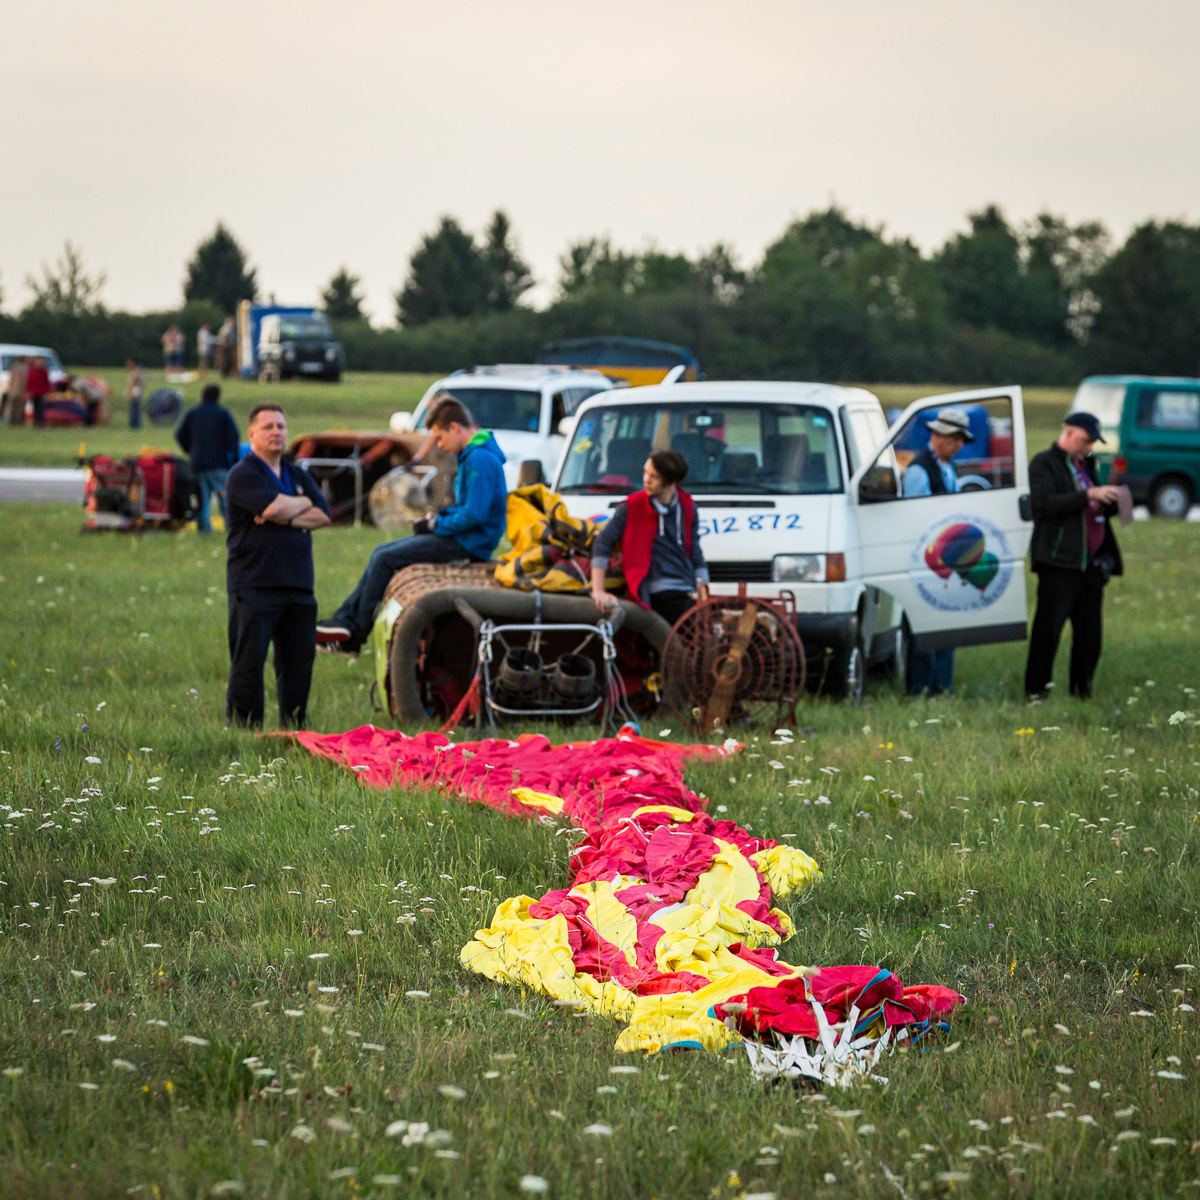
(1169, 410)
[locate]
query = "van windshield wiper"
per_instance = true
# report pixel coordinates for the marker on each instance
(575, 489)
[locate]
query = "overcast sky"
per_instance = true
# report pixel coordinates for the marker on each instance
(328, 134)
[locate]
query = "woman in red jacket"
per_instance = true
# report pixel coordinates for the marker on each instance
(659, 536)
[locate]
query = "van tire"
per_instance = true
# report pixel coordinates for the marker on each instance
(846, 675)
(897, 661)
(1171, 499)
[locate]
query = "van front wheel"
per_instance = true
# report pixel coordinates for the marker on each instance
(1172, 498)
(848, 675)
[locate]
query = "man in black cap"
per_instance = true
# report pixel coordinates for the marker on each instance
(1074, 554)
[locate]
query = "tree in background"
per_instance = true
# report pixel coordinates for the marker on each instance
(719, 277)
(592, 264)
(509, 274)
(68, 290)
(448, 276)
(218, 272)
(994, 281)
(341, 298)
(1149, 303)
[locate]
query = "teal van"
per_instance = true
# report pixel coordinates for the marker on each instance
(1152, 434)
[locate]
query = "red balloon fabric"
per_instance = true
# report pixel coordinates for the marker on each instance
(668, 923)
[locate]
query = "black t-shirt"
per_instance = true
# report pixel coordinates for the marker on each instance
(267, 555)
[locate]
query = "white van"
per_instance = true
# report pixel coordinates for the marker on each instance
(798, 487)
(524, 406)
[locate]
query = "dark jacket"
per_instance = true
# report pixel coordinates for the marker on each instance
(1060, 510)
(208, 436)
(928, 463)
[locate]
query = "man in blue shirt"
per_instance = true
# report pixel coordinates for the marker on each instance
(930, 474)
(469, 529)
(272, 505)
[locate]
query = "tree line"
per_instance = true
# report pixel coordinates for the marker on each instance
(1042, 301)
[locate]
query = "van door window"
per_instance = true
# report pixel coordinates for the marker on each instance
(983, 464)
(1177, 412)
(558, 411)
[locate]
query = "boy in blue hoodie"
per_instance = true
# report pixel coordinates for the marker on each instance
(469, 529)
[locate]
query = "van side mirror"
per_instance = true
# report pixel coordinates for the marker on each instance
(878, 485)
(566, 427)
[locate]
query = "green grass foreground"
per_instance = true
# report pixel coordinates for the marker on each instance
(360, 401)
(178, 898)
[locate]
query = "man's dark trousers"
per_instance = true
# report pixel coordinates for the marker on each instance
(1065, 594)
(357, 611)
(258, 617)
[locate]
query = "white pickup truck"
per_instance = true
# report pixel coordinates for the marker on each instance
(798, 487)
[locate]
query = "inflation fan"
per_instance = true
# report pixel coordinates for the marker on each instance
(735, 660)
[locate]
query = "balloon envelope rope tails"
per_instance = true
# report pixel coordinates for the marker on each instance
(668, 924)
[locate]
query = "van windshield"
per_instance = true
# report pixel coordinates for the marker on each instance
(1103, 400)
(501, 408)
(304, 327)
(785, 449)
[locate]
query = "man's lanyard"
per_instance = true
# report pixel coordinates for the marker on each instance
(285, 484)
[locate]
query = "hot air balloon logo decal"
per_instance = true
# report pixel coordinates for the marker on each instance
(969, 556)
(961, 549)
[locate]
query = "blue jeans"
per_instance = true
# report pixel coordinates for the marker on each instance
(930, 671)
(357, 611)
(210, 481)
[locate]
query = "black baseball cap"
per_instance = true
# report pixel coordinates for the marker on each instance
(1089, 424)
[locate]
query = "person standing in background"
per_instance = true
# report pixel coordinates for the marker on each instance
(931, 672)
(14, 412)
(1074, 553)
(227, 348)
(209, 437)
(205, 342)
(134, 391)
(37, 385)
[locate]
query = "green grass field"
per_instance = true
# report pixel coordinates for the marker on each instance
(361, 401)
(1039, 859)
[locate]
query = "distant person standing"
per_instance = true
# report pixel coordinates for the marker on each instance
(206, 341)
(134, 391)
(273, 505)
(227, 348)
(208, 435)
(173, 343)
(931, 672)
(37, 386)
(14, 412)
(1074, 553)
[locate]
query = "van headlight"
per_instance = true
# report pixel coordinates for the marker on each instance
(331, 354)
(798, 568)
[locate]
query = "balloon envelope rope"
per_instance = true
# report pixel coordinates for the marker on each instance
(668, 924)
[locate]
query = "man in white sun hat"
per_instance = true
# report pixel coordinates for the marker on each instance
(930, 672)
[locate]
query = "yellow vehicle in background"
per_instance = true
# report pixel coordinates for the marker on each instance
(636, 362)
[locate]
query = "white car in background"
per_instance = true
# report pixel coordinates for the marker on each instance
(529, 409)
(10, 352)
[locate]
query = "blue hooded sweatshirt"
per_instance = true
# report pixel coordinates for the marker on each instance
(477, 520)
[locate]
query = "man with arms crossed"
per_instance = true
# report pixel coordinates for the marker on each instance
(272, 507)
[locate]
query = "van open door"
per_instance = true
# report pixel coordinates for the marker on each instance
(955, 561)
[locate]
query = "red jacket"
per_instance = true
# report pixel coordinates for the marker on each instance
(637, 542)
(37, 381)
